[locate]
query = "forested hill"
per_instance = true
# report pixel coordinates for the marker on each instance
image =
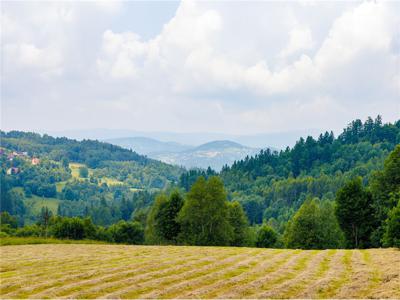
(76, 178)
(89, 152)
(272, 185)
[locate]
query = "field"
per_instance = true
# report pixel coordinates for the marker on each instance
(118, 271)
(35, 204)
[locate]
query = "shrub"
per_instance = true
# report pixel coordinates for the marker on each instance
(266, 237)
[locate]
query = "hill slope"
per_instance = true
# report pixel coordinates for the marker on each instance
(35, 167)
(148, 146)
(272, 185)
(113, 271)
(213, 154)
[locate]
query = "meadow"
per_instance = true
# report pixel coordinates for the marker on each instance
(122, 271)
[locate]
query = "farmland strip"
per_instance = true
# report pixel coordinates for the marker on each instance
(296, 279)
(184, 288)
(171, 278)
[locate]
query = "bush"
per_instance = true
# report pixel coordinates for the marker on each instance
(127, 232)
(69, 228)
(3, 234)
(391, 237)
(32, 230)
(266, 237)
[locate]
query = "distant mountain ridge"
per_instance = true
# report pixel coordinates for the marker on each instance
(148, 146)
(214, 154)
(279, 140)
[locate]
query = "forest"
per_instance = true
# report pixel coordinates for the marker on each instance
(329, 192)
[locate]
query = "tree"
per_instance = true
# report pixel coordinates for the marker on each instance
(151, 234)
(204, 215)
(44, 219)
(304, 230)
(238, 220)
(391, 237)
(314, 226)
(166, 223)
(6, 218)
(127, 232)
(385, 184)
(333, 236)
(83, 172)
(355, 213)
(69, 228)
(266, 237)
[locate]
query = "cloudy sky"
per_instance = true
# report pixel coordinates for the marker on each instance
(231, 67)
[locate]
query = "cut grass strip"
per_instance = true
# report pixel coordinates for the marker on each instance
(167, 279)
(116, 281)
(341, 279)
(314, 269)
(294, 290)
(255, 280)
(369, 277)
(64, 287)
(102, 266)
(290, 272)
(206, 278)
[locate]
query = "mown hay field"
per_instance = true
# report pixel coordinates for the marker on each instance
(119, 271)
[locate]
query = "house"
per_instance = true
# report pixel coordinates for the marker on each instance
(10, 156)
(13, 171)
(20, 154)
(35, 161)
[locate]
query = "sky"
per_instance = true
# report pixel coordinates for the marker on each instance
(238, 67)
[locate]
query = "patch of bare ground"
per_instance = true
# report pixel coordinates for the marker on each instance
(205, 281)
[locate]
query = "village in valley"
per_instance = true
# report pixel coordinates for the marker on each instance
(12, 155)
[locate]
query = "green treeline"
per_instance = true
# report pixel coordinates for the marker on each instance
(329, 192)
(360, 217)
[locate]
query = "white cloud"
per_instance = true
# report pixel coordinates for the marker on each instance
(213, 66)
(299, 39)
(44, 61)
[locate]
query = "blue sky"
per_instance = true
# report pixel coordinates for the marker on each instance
(211, 66)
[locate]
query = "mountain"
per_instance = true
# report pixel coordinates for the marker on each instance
(148, 146)
(279, 140)
(213, 154)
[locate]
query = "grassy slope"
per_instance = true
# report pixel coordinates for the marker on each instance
(35, 204)
(121, 271)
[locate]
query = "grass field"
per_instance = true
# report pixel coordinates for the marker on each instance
(117, 271)
(35, 204)
(6, 241)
